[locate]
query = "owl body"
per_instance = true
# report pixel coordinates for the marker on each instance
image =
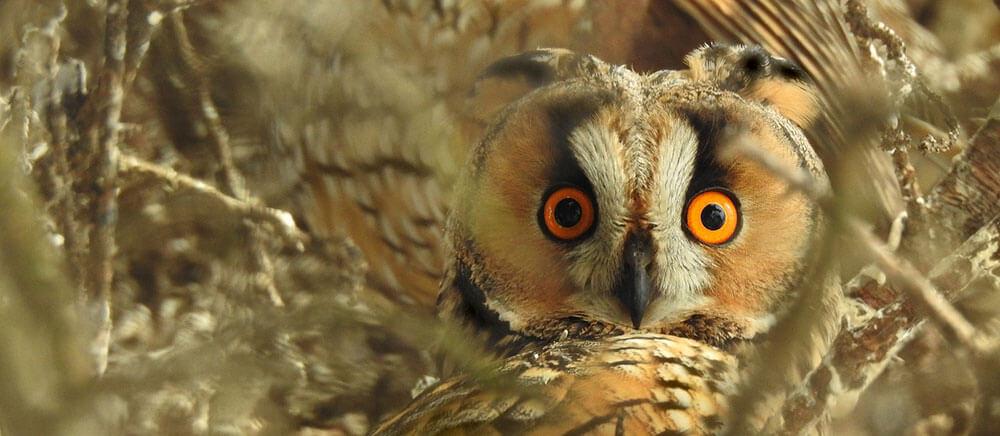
(630, 384)
(615, 248)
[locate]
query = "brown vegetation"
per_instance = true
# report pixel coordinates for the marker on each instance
(160, 271)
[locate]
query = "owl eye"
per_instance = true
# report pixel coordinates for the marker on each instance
(712, 217)
(567, 214)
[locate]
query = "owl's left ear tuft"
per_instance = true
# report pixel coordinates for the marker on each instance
(756, 75)
(512, 77)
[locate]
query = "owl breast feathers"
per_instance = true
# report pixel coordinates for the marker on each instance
(633, 384)
(609, 240)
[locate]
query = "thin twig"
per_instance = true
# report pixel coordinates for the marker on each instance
(103, 138)
(908, 278)
(251, 208)
(42, 354)
(897, 142)
(143, 22)
(802, 411)
(57, 170)
(231, 180)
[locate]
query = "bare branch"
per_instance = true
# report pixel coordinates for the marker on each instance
(251, 209)
(56, 170)
(231, 180)
(918, 287)
(801, 410)
(861, 351)
(967, 198)
(102, 137)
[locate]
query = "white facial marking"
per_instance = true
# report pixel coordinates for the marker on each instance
(594, 262)
(680, 267)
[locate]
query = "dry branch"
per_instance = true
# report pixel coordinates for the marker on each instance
(102, 139)
(57, 170)
(861, 352)
(232, 181)
(967, 199)
(845, 366)
(283, 222)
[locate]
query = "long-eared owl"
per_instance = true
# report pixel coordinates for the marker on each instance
(610, 242)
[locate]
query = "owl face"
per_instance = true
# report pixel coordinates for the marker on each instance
(604, 200)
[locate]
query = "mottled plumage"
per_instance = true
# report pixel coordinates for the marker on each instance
(633, 384)
(380, 163)
(618, 315)
(386, 169)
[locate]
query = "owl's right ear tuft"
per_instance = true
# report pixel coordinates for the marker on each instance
(512, 77)
(758, 76)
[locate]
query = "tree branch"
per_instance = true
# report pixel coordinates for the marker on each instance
(102, 137)
(232, 181)
(282, 221)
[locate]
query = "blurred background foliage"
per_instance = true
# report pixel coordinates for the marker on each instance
(164, 267)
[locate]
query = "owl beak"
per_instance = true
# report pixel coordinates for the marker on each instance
(633, 289)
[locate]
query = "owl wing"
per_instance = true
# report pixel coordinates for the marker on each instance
(380, 164)
(632, 384)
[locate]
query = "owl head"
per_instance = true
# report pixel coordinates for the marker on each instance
(600, 200)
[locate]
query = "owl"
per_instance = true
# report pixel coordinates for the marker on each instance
(572, 202)
(610, 243)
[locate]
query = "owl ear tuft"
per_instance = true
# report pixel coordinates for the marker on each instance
(514, 76)
(756, 75)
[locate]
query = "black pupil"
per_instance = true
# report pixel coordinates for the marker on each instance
(568, 212)
(713, 217)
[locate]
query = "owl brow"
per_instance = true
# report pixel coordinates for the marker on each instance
(709, 126)
(526, 65)
(565, 117)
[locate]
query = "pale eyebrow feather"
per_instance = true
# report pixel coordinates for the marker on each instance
(595, 262)
(681, 265)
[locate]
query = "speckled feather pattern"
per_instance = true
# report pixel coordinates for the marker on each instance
(629, 384)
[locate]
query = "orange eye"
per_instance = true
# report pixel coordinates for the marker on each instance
(567, 214)
(712, 217)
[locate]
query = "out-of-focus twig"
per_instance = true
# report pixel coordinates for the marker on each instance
(56, 170)
(794, 345)
(42, 355)
(170, 6)
(251, 209)
(965, 200)
(102, 137)
(143, 20)
(232, 181)
(801, 411)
